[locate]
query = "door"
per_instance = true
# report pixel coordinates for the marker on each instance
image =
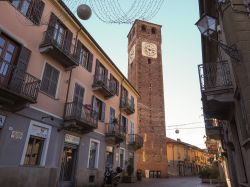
(68, 166)
(78, 101)
(8, 51)
(109, 156)
(59, 34)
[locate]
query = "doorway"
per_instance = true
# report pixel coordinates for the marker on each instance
(68, 166)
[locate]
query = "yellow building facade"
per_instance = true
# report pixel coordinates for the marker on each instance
(185, 159)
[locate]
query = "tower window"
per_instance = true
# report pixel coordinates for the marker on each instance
(153, 30)
(143, 28)
(149, 61)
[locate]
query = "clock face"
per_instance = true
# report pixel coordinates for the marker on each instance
(149, 50)
(131, 55)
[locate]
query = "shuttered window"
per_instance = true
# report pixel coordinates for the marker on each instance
(85, 56)
(99, 107)
(50, 80)
(115, 83)
(124, 124)
(32, 9)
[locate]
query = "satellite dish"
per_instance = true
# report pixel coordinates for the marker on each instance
(84, 11)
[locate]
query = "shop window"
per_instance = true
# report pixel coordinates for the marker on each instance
(34, 151)
(93, 154)
(36, 146)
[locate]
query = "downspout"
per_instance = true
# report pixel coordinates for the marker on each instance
(71, 70)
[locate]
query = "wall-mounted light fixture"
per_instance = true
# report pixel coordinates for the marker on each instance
(208, 26)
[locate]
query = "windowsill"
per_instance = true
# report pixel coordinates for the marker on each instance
(246, 143)
(52, 97)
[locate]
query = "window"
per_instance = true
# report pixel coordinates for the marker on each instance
(115, 84)
(153, 30)
(85, 57)
(124, 124)
(7, 54)
(93, 154)
(50, 80)
(32, 9)
(59, 34)
(101, 73)
(36, 146)
(99, 107)
(143, 28)
(122, 157)
(22, 5)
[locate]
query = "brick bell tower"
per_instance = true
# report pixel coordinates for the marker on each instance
(145, 73)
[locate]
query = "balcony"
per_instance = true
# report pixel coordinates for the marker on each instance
(104, 85)
(135, 141)
(59, 48)
(17, 88)
(213, 130)
(212, 146)
(114, 134)
(79, 118)
(127, 106)
(217, 89)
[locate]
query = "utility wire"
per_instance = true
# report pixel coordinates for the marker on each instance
(183, 124)
(186, 128)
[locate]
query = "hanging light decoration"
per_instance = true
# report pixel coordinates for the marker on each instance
(120, 11)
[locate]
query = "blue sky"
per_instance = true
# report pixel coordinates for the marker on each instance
(181, 54)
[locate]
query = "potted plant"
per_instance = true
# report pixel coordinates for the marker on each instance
(209, 174)
(128, 177)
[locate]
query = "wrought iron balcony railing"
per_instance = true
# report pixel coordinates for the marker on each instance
(127, 105)
(114, 133)
(80, 117)
(215, 77)
(17, 85)
(135, 141)
(55, 44)
(104, 85)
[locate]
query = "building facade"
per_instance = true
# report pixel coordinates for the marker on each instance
(224, 77)
(66, 110)
(185, 159)
(145, 73)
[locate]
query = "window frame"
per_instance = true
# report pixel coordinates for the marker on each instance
(117, 86)
(45, 145)
(58, 80)
(98, 153)
(124, 157)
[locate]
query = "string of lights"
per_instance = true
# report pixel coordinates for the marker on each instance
(114, 11)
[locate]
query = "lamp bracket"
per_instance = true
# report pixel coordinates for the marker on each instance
(231, 51)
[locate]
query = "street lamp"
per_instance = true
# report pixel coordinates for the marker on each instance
(208, 26)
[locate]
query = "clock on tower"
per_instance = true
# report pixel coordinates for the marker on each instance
(145, 73)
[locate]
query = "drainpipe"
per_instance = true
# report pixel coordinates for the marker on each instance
(70, 74)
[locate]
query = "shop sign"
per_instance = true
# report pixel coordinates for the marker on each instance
(2, 120)
(72, 139)
(39, 131)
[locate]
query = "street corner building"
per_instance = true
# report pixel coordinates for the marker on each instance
(66, 110)
(185, 159)
(224, 82)
(146, 75)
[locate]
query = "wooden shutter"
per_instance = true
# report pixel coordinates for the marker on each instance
(53, 82)
(50, 30)
(78, 94)
(18, 77)
(90, 61)
(97, 66)
(78, 51)
(68, 41)
(117, 88)
(111, 115)
(46, 78)
(36, 11)
(103, 111)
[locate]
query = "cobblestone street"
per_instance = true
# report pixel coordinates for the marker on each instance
(169, 182)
